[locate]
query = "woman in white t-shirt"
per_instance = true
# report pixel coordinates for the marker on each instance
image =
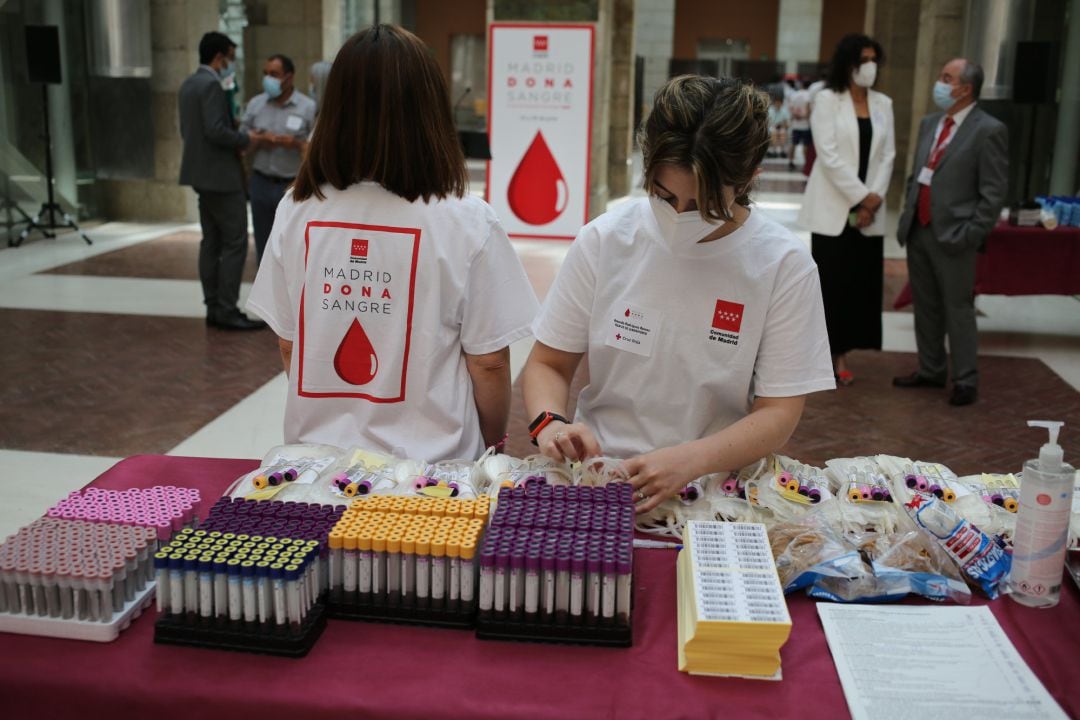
(700, 318)
(394, 294)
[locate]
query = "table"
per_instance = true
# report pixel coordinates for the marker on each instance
(1023, 261)
(406, 672)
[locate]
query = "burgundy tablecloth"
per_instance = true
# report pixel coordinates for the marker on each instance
(370, 670)
(1024, 261)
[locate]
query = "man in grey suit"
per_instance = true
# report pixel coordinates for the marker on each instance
(954, 196)
(211, 165)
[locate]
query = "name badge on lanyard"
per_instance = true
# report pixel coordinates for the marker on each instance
(294, 122)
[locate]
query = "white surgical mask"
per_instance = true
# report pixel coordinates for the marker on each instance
(680, 230)
(865, 74)
(943, 95)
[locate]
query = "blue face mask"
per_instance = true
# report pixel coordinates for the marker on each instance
(272, 86)
(943, 95)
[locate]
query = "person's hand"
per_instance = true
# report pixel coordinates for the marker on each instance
(566, 443)
(871, 202)
(863, 217)
(659, 475)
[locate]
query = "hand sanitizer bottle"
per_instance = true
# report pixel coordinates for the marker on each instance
(1042, 524)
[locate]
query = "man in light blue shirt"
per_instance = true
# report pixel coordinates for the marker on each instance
(280, 119)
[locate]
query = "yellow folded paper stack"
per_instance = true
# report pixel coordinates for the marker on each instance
(733, 618)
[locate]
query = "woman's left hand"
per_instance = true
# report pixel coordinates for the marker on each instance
(863, 218)
(659, 475)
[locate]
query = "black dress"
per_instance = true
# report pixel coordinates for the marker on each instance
(851, 267)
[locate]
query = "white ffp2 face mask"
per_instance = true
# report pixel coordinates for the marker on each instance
(680, 230)
(865, 75)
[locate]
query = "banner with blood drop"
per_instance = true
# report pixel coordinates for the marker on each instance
(540, 127)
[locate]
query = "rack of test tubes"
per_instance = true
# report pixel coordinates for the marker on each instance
(407, 559)
(82, 571)
(252, 578)
(556, 565)
(74, 579)
(165, 508)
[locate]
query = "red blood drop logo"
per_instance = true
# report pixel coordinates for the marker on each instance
(627, 313)
(537, 192)
(355, 360)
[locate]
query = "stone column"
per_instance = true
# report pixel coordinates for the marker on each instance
(621, 98)
(654, 37)
(1063, 179)
(919, 36)
(290, 27)
(176, 26)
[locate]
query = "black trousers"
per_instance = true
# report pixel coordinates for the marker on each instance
(223, 250)
(266, 193)
(851, 266)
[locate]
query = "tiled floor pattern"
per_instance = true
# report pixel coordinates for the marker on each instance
(106, 355)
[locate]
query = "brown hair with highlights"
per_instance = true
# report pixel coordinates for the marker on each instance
(385, 116)
(718, 129)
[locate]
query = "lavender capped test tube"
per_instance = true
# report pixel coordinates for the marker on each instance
(547, 584)
(624, 567)
(562, 587)
(486, 604)
(577, 587)
(532, 585)
(594, 587)
(502, 584)
(609, 592)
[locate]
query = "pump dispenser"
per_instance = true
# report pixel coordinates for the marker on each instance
(1042, 524)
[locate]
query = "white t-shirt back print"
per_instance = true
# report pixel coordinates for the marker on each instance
(380, 298)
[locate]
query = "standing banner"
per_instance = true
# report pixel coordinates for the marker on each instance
(540, 128)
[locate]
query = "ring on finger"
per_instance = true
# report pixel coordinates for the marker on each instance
(639, 495)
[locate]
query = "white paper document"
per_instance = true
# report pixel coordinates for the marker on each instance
(931, 662)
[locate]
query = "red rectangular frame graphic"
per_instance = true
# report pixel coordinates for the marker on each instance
(415, 232)
(592, 72)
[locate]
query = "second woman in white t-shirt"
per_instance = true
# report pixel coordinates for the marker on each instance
(701, 320)
(394, 294)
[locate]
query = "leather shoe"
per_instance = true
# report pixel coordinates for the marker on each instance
(963, 395)
(915, 380)
(235, 322)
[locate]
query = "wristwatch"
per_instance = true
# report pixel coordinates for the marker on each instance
(542, 421)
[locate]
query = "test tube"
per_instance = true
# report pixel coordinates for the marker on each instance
(378, 568)
(236, 600)
(577, 588)
(622, 583)
(393, 569)
(532, 585)
(423, 572)
(191, 589)
(594, 587)
(516, 593)
(264, 593)
(292, 596)
(453, 559)
(250, 593)
(206, 588)
(438, 573)
(468, 572)
(337, 549)
(609, 590)
(277, 581)
(487, 583)
(408, 571)
(350, 567)
(562, 587)
(502, 582)
(161, 574)
(364, 567)
(221, 588)
(547, 581)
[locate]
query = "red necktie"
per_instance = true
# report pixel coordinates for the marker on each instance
(935, 158)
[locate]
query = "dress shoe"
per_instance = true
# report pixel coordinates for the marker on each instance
(963, 395)
(915, 380)
(238, 321)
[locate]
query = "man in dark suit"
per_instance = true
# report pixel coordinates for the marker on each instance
(954, 196)
(211, 165)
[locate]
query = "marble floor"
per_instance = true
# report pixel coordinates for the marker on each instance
(106, 354)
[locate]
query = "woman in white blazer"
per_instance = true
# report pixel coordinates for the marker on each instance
(844, 203)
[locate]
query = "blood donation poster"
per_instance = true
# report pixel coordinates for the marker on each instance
(540, 127)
